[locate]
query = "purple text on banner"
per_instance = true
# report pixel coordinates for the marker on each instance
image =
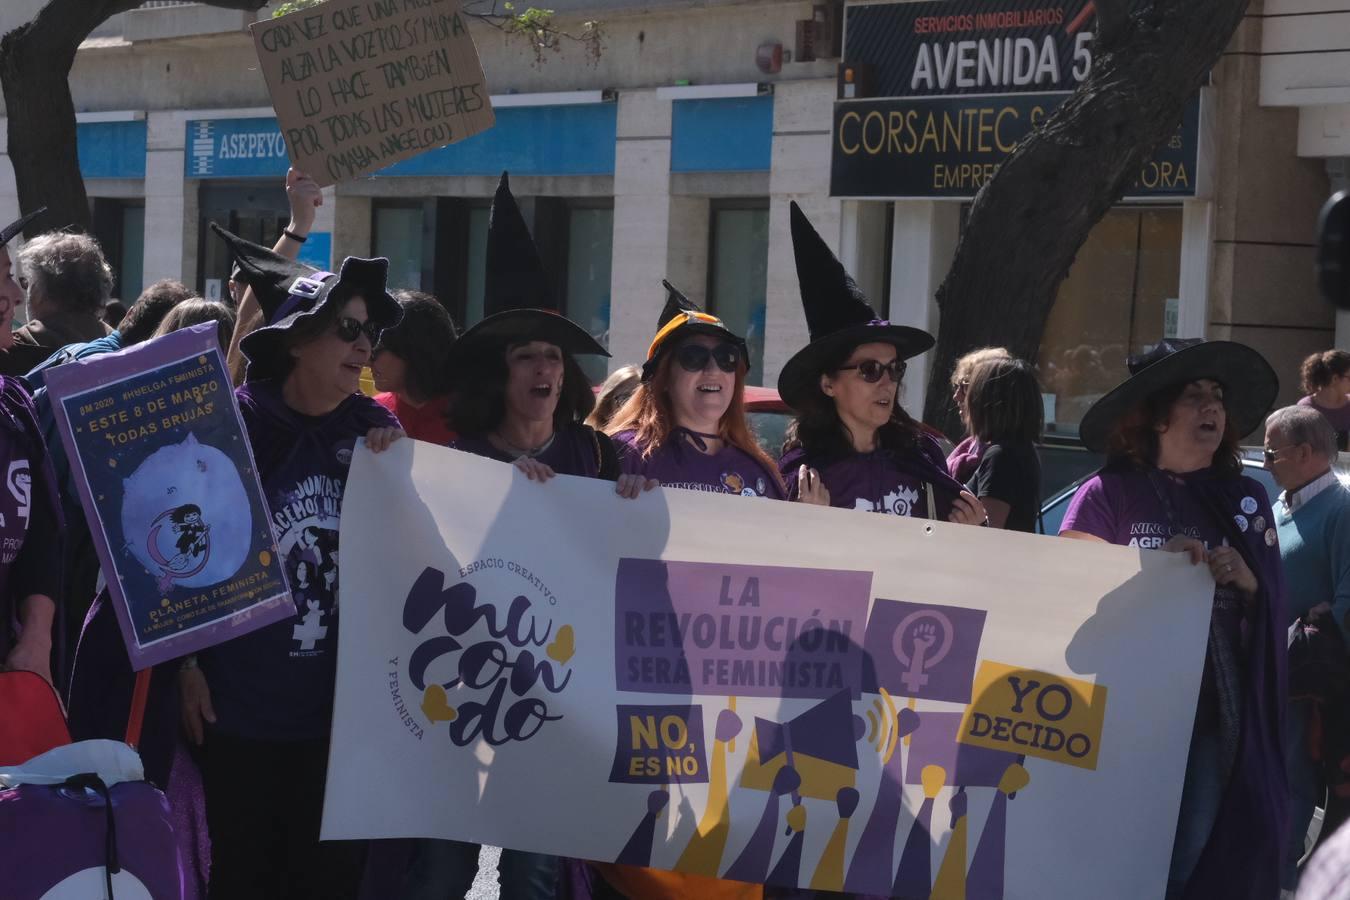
(722, 629)
(167, 480)
(922, 650)
(660, 745)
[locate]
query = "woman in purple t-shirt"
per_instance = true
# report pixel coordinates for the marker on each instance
(685, 425)
(852, 445)
(1326, 381)
(261, 704)
(1173, 481)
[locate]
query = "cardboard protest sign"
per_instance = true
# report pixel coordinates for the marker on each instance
(361, 84)
(755, 690)
(167, 481)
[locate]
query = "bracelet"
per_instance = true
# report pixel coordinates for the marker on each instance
(293, 236)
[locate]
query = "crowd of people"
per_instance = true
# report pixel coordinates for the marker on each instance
(242, 730)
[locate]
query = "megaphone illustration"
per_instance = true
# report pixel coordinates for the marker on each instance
(821, 741)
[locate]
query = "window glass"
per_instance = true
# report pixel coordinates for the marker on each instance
(738, 273)
(475, 265)
(590, 246)
(398, 237)
(130, 280)
(1113, 304)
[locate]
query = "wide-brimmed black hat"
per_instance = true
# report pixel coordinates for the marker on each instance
(289, 291)
(12, 230)
(680, 318)
(838, 316)
(1249, 384)
(517, 292)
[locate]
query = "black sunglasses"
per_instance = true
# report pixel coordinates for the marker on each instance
(694, 357)
(871, 370)
(349, 329)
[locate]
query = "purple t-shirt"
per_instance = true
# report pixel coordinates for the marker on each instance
(1339, 419)
(29, 558)
(679, 464)
(877, 481)
(277, 683)
(1128, 507)
(576, 450)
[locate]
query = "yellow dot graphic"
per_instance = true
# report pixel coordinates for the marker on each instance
(201, 360)
(113, 463)
(265, 558)
(164, 602)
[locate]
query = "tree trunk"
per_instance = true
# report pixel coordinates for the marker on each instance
(1029, 221)
(35, 61)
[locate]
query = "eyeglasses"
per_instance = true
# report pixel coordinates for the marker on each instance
(1271, 455)
(871, 370)
(349, 329)
(694, 357)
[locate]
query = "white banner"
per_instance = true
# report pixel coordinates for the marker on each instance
(757, 690)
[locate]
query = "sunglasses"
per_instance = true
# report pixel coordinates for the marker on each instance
(871, 370)
(349, 329)
(694, 357)
(1272, 455)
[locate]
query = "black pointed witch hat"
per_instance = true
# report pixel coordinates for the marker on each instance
(1250, 384)
(11, 231)
(838, 316)
(289, 291)
(680, 318)
(518, 288)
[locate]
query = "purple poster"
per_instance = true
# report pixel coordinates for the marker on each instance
(934, 743)
(922, 650)
(727, 630)
(167, 481)
(660, 745)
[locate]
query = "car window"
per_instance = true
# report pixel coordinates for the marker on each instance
(769, 429)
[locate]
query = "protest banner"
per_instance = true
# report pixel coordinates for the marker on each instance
(358, 85)
(167, 481)
(763, 691)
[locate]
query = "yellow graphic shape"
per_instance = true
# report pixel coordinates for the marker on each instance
(933, 778)
(894, 725)
(703, 854)
(1033, 713)
(436, 706)
(830, 871)
(265, 558)
(563, 646)
(796, 818)
(1014, 779)
(951, 876)
(821, 779)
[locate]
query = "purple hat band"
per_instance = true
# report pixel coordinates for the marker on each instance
(306, 287)
(879, 323)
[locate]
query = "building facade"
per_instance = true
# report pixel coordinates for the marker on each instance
(674, 153)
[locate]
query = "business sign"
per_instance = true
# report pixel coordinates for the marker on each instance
(972, 46)
(755, 690)
(950, 146)
(360, 84)
(167, 480)
(235, 148)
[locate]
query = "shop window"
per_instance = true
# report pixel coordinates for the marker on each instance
(256, 213)
(738, 262)
(399, 237)
(590, 250)
(1118, 300)
(476, 269)
(119, 226)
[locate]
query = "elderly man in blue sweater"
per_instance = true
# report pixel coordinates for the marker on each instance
(1312, 519)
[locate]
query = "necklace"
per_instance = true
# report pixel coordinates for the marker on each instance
(698, 438)
(519, 452)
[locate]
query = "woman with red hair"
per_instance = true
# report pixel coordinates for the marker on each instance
(685, 425)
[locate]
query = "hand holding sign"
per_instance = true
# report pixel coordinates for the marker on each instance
(360, 84)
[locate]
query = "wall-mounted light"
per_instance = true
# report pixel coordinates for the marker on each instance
(553, 98)
(769, 57)
(712, 91)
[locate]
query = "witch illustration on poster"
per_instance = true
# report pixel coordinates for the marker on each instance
(167, 477)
